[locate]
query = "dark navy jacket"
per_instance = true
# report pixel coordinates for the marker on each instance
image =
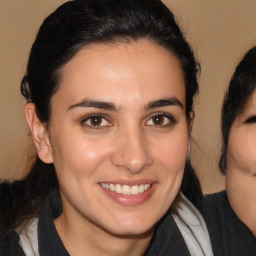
(229, 236)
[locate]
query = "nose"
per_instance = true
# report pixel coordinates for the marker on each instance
(132, 152)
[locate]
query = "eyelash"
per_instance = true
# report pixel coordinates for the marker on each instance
(251, 120)
(170, 121)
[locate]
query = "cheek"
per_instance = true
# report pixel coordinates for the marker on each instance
(170, 157)
(241, 152)
(172, 152)
(78, 155)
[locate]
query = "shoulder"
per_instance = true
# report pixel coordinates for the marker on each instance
(215, 204)
(193, 228)
(28, 237)
(11, 196)
(9, 242)
(9, 239)
(215, 199)
(167, 239)
(229, 236)
(217, 212)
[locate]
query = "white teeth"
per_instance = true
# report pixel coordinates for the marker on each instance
(142, 188)
(135, 190)
(111, 187)
(118, 189)
(125, 189)
(147, 186)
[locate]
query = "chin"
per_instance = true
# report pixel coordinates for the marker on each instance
(143, 232)
(133, 228)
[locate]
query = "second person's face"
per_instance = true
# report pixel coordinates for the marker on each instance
(241, 150)
(241, 155)
(119, 136)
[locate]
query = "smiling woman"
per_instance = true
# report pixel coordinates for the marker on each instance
(105, 151)
(110, 87)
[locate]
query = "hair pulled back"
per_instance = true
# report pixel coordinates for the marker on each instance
(241, 86)
(79, 23)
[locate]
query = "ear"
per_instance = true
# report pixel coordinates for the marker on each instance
(190, 126)
(39, 133)
(191, 121)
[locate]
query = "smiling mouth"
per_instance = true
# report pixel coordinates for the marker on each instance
(126, 189)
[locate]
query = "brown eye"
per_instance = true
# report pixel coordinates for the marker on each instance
(95, 121)
(161, 120)
(158, 119)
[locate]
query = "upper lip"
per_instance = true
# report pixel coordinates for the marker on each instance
(128, 182)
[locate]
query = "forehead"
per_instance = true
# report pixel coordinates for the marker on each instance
(135, 70)
(250, 103)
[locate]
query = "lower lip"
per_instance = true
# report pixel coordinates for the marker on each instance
(130, 200)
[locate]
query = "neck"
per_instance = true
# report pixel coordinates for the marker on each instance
(86, 240)
(241, 191)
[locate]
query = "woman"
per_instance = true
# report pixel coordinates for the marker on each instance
(231, 214)
(110, 87)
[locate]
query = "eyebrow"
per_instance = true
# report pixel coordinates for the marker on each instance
(87, 103)
(173, 101)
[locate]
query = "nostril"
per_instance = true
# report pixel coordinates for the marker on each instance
(132, 151)
(134, 161)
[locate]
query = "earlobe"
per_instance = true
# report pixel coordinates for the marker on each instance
(39, 133)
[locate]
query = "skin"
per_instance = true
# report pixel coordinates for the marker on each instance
(241, 165)
(139, 138)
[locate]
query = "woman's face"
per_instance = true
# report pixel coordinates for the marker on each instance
(241, 150)
(241, 165)
(119, 136)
